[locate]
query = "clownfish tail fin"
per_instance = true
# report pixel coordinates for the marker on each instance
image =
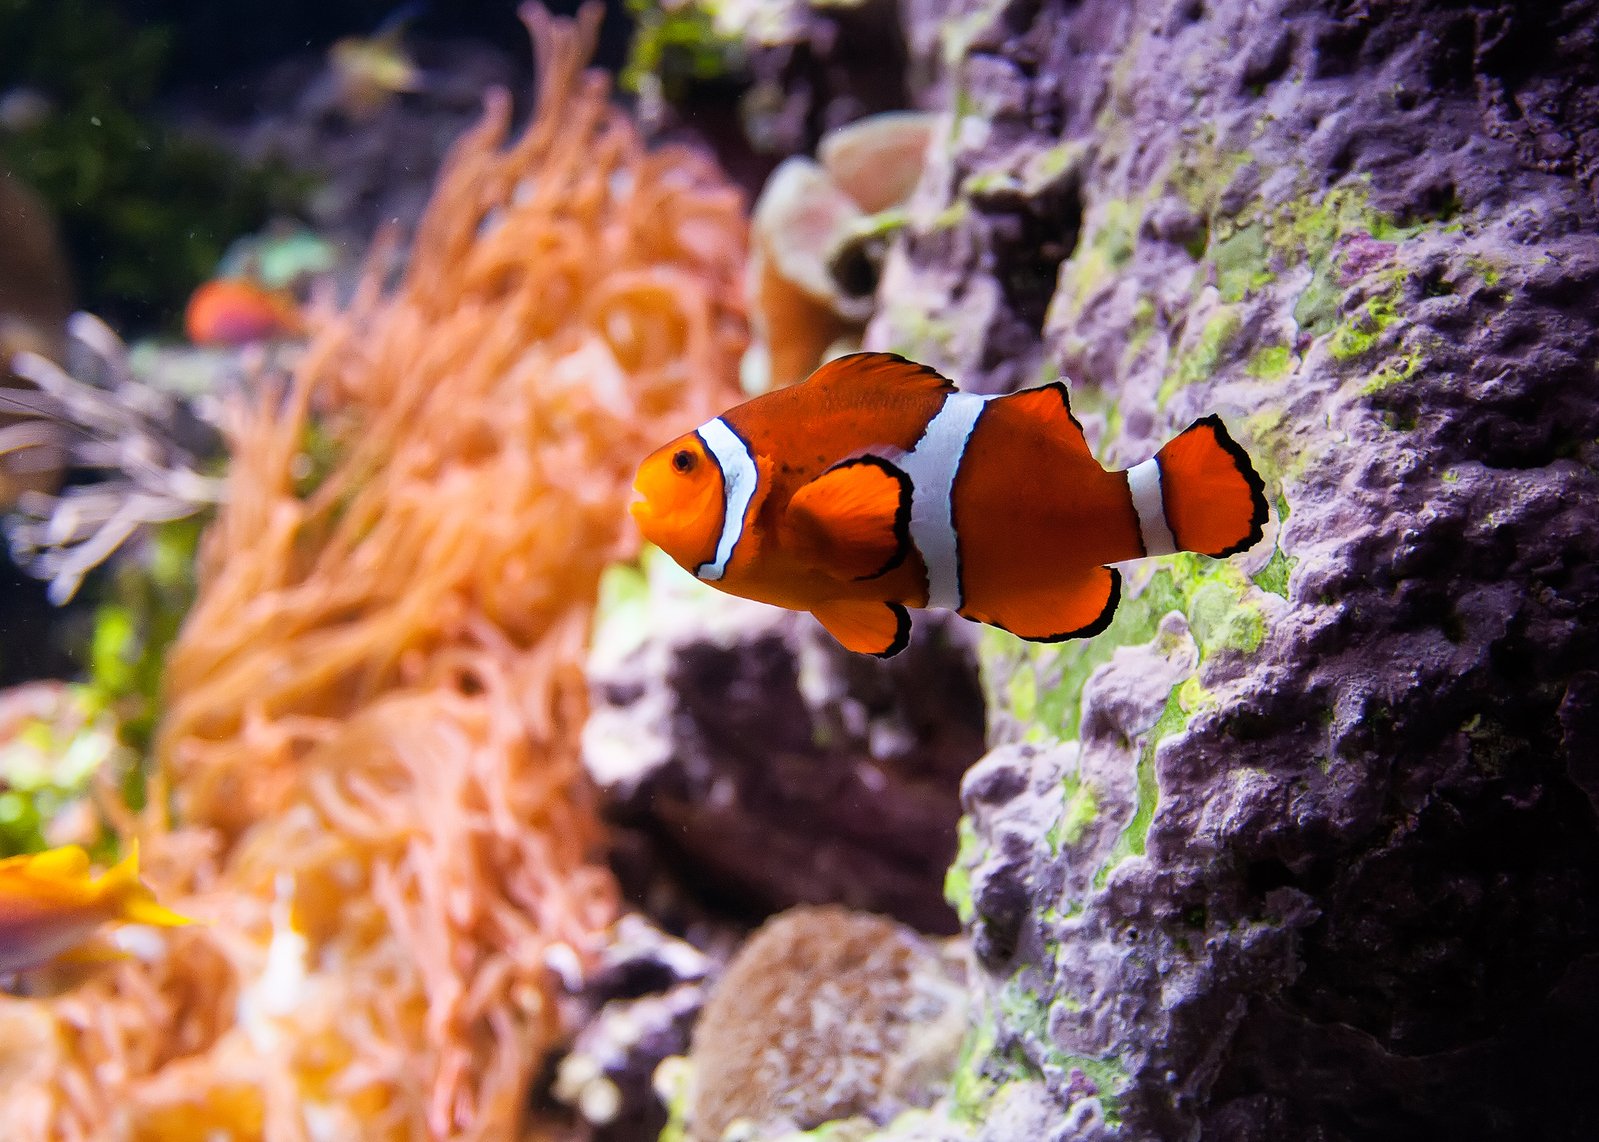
(1200, 493)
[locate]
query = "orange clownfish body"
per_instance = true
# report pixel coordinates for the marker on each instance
(237, 311)
(876, 485)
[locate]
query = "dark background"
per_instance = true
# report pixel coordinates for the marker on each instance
(215, 42)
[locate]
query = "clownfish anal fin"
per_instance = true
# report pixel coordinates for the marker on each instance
(1077, 608)
(865, 626)
(1050, 406)
(852, 521)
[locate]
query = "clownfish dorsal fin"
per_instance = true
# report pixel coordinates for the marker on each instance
(866, 626)
(854, 372)
(852, 521)
(1078, 607)
(1050, 406)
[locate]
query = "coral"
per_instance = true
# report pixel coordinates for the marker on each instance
(35, 299)
(150, 446)
(817, 237)
(824, 1014)
(797, 309)
(368, 781)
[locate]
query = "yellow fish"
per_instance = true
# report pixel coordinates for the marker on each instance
(51, 905)
(370, 72)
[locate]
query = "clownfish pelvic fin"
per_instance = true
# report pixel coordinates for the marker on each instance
(866, 627)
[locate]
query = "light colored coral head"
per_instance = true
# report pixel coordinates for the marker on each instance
(682, 500)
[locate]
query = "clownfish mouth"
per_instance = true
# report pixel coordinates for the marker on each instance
(640, 509)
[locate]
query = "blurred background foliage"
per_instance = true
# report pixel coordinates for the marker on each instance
(145, 211)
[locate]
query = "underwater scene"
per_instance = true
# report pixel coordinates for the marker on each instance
(777, 570)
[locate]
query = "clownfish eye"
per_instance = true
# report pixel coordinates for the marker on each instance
(683, 460)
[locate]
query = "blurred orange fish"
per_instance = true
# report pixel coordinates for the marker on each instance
(237, 311)
(51, 906)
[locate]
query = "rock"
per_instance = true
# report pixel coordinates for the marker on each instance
(824, 1015)
(1313, 857)
(767, 766)
(650, 987)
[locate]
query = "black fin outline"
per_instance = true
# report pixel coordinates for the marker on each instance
(1088, 630)
(1066, 402)
(902, 632)
(1246, 469)
(902, 514)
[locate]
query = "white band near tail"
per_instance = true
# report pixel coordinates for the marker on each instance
(1143, 480)
(932, 466)
(739, 476)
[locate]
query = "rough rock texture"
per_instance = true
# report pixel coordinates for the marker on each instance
(741, 748)
(1304, 846)
(814, 66)
(646, 996)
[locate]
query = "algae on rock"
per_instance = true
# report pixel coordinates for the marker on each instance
(1278, 854)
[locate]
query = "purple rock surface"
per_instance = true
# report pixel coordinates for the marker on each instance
(1316, 856)
(745, 754)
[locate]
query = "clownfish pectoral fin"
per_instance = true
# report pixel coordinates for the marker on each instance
(1077, 608)
(852, 521)
(1214, 501)
(867, 627)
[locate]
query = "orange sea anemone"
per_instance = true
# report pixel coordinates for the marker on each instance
(368, 780)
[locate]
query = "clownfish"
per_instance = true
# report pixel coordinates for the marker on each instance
(51, 906)
(237, 311)
(876, 485)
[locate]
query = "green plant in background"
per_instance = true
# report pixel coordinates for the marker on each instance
(675, 44)
(145, 211)
(144, 606)
(56, 738)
